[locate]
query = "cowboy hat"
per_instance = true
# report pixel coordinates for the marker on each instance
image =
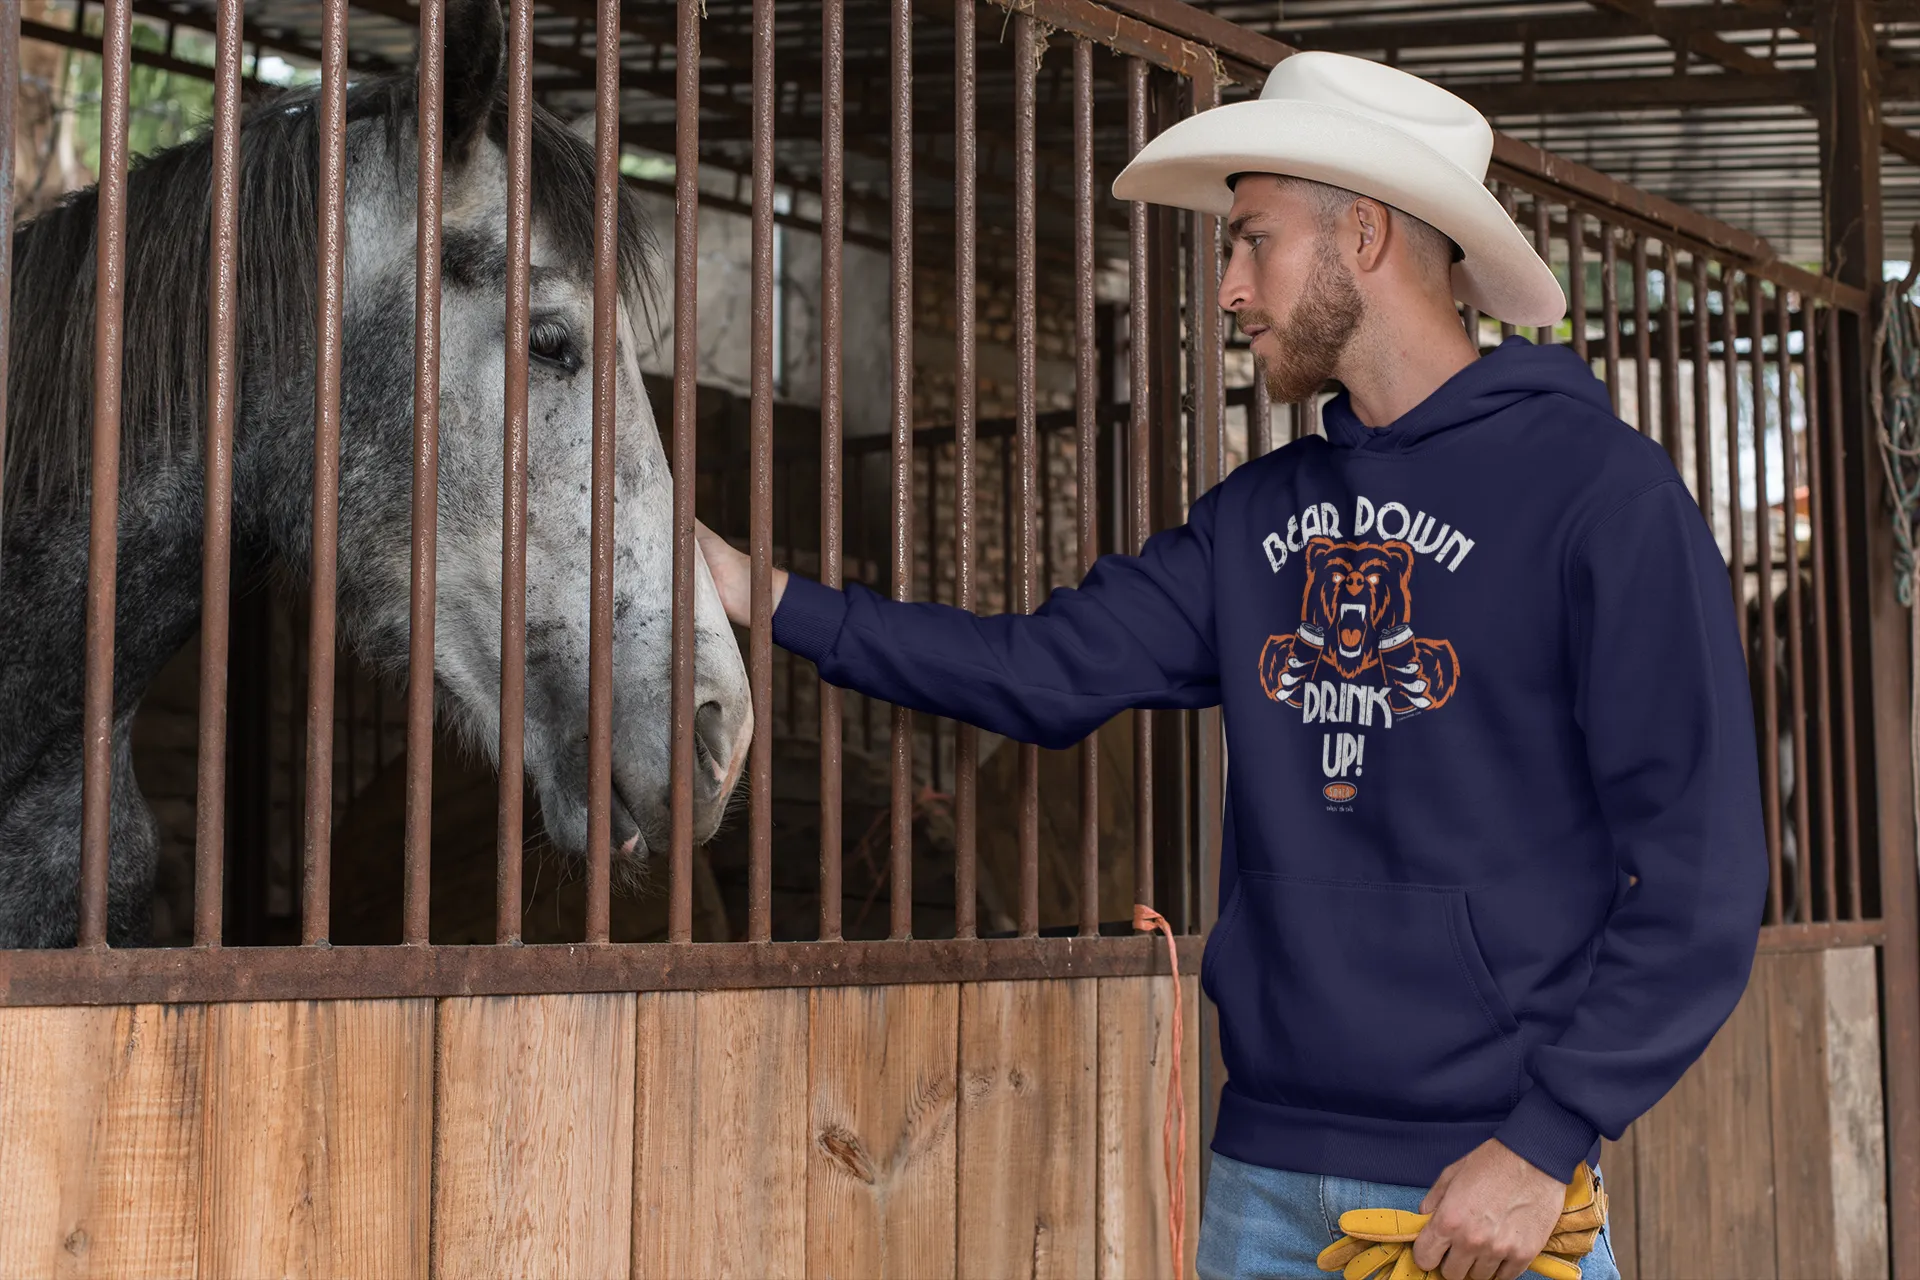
(1376, 131)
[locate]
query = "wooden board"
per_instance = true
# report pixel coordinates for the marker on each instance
(533, 1147)
(1795, 986)
(664, 1124)
(1135, 1043)
(1618, 1171)
(1858, 1115)
(100, 1114)
(319, 1133)
(880, 1139)
(1028, 1128)
(749, 1190)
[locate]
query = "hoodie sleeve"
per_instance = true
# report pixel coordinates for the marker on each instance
(1661, 694)
(1137, 632)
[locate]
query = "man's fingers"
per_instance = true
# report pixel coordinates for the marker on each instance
(1432, 1199)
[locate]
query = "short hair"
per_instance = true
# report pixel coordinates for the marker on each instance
(1430, 244)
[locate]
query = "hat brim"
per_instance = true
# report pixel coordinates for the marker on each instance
(1188, 165)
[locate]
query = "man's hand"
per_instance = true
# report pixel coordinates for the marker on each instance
(733, 575)
(1492, 1214)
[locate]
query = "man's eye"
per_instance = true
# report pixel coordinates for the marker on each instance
(550, 342)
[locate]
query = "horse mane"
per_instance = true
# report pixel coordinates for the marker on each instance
(169, 220)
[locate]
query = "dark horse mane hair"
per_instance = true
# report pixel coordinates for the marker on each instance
(169, 219)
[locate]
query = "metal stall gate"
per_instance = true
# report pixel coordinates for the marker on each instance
(738, 1104)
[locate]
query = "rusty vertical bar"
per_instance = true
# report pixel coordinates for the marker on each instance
(1763, 567)
(1849, 757)
(1642, 340)
(1511, 204)
(110, 255)
(1789, 474)
(513, 543)
(686, 365)
(833, 110)
(1139, 463)
(1260, 416)
(1086, 403)
(1736, 514)
(1577, 278)
(1702, 390)
(606, 330)
(1610, 310)
(1029, 46)
(216, 562)
(9, 99)
(760, 659)
(426, 476)
(1543, 245)
(1817, 427)
(1670, 433)
(1198, 906)
(900, 152)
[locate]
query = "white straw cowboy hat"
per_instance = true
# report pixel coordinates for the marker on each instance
(1373, 130)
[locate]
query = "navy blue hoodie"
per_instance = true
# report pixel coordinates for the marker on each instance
(1493, 861)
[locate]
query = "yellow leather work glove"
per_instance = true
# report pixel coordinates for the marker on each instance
(1378, 1244)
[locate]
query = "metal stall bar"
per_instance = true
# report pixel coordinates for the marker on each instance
(606, 372)
(1817, 427)
(1702, 390)
(1642, 340)
(1260, 416)
(216, 563)
(833, 112)
(1577, 277)
(1789, 470)
(1763, 563)
(426, 476)
(513, 543)
(102, 549)
(1200, 882)
(686, 368)
(1139, 462)
(1610, 309)
(1029, 46)
(1670, 432)
(1849, 752)
(900, 152)
(1543, 244)
(760, 502)
(9, 99)
(1087, 447)
(966, 213)
(1736, 517)
(1509, 202)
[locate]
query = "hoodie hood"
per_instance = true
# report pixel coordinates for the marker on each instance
(1516, 370)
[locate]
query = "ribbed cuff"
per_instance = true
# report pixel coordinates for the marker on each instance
(809, 617)
(1546, 1135)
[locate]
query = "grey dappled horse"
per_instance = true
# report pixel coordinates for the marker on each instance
(43, 543)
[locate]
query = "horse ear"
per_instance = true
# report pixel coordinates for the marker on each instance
(476, 66)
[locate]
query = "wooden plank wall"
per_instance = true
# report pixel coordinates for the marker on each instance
(1767, 1161)
(985, 1130)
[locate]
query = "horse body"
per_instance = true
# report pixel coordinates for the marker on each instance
(43, 543)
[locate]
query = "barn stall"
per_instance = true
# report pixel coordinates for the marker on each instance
(895, 1016)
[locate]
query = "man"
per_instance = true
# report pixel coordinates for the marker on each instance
(1493, 862)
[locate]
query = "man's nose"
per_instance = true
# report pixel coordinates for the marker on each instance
(1235, 292)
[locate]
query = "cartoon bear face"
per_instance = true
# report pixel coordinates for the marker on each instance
(1355, 592)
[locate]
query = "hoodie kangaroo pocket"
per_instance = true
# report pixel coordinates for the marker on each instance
(1365, 999)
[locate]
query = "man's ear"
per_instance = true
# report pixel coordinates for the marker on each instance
(476, 69)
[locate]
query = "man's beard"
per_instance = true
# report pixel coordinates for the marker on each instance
(1307, 348)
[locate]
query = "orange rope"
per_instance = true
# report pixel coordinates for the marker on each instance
(1173, 1154)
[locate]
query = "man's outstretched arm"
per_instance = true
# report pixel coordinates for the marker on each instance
(1138, 632)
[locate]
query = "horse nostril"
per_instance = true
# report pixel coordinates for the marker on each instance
(709, 738)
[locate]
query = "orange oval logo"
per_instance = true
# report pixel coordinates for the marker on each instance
(1339, 792)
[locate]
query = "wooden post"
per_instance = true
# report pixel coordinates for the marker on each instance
(1851, 197)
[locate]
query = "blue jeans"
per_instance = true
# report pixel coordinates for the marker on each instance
(1272, 1225)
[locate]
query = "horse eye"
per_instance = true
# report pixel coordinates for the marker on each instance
(550, 342)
